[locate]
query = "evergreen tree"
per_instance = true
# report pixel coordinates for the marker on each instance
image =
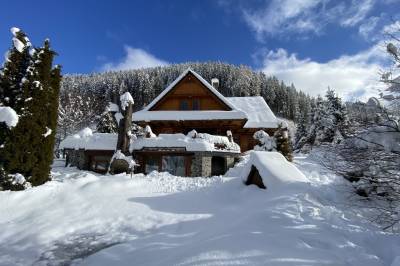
(46, 114)
(301, 132)
(12, 81)
(28, 150)
(338, 110)
(14, 71)
(107, 123)
(328, 122)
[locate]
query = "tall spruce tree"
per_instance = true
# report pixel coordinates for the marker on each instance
(46, 113)
(28, 149)
(301, 132)
(338, 111)
(12, 80)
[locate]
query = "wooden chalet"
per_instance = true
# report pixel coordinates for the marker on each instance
(198, 131)
(190, 102)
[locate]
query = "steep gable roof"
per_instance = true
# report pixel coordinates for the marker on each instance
(178, 79)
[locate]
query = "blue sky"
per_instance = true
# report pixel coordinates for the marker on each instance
(312, 43)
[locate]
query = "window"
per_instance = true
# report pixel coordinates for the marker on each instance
(175, 165)
(184, 105)
(151, 164)
(196, 104)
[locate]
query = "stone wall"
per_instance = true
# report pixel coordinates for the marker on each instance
(201, 163)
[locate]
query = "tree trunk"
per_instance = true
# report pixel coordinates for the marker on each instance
(123, 128)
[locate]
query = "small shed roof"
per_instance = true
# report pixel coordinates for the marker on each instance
(273, 168)
(87, 140)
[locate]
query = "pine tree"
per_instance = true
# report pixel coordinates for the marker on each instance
(107, 123)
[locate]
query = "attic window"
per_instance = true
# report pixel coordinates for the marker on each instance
(196, 104)
(184, 105)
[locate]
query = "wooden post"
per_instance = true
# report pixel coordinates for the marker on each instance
(123, 128)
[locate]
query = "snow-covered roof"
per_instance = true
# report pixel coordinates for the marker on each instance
(254, 109)
(273, 168)
(198, 142)
(88, 140)
(181, 76)
(257, 111)
(187, 115)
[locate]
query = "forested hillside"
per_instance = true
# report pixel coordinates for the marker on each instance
(83, 98)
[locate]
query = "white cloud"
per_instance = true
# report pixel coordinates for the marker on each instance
(279, 17)
(356, 12)
(367, 29)
(135, 58)
(352, 76)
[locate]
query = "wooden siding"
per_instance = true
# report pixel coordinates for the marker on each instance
(190, 89)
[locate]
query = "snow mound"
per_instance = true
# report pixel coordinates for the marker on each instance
(81, 218)
(86, 132)
(118, 155)
(274, 169)
(8, 116)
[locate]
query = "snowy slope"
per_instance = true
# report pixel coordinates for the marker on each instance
(165, 220)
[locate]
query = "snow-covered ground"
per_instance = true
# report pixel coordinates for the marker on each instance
(82, 218)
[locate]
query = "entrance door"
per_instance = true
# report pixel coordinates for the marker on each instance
(218, 166)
